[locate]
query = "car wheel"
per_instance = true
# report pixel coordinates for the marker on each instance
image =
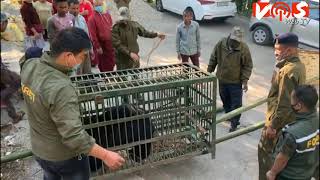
(261, 35)
(159, 5)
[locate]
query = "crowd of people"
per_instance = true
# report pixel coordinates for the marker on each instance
(43, 20)
(82, 35)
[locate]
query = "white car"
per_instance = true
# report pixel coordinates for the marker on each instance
(202, 9)
(264, 30)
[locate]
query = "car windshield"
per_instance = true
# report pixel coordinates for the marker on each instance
(314, 10)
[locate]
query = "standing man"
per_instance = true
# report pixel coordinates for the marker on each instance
(80, 22)
(59, 142)
(234, 62)
(124, 39)
(188, 39)
(289, 74)
(296, 155)
(33, 26)
(122, 3)
(61, 20)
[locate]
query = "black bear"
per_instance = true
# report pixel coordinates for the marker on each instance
(120, 133)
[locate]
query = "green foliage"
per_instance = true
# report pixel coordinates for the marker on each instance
(244, 7)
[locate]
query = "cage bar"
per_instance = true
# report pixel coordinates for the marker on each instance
(150, 115)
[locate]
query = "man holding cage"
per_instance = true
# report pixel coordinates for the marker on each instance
(59, 142)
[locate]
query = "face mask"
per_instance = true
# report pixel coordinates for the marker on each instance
(234, 44)
(75, 69)
(99, 9)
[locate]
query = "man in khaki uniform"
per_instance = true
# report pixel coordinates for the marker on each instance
(233, 58)
(125, 40)
(296, 155)
(122, 3)
(59, 142)
(291, 73)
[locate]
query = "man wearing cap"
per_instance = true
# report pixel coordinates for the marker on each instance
(10, 83)
(233, 58)
(122, 3)
(289, 74)
(124, 39)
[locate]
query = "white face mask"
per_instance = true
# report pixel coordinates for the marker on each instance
(75, 69)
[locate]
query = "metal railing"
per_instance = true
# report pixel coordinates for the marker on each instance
(28, 153)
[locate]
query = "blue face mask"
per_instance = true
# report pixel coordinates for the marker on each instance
(99, 9)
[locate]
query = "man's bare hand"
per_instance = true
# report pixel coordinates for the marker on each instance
(245, 86)
(135, 57)
(270, 176)
(271, 133)
(113, 160)
(161, 36)
(37, 35)
(100, 51)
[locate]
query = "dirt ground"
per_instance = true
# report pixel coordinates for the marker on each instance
(311, 61)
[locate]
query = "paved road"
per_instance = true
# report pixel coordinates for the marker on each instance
(235, 159)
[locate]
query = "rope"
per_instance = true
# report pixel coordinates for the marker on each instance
(154, 47)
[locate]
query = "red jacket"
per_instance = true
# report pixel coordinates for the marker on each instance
(86, 6)
(30, 18)
(100, 27)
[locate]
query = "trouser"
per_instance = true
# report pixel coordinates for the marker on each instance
(10, 83)
(125, 62)
(316, 173)
(106, 60)
(231, 97)
(30, 41)
(76, 168)
(194, 58)
(265, 149)
(45, 35)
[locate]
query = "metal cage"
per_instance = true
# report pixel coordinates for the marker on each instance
(151, 116)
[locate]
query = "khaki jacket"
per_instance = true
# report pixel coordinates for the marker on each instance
(234, 66)
(53, 111)
(290, 75)
(125, 40)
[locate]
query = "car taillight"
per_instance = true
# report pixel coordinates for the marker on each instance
(204, 2)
